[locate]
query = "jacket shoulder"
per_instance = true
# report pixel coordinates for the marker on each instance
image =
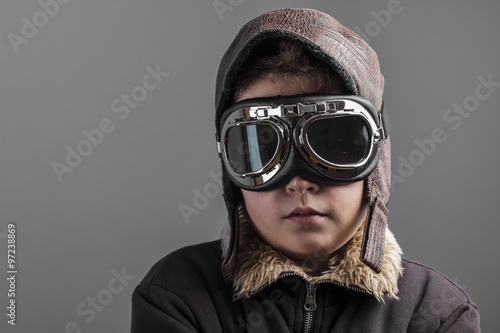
(434, 299)
(182, 292)
(430, 280)
(199, 261)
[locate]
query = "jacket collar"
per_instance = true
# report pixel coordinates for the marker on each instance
(258, 265)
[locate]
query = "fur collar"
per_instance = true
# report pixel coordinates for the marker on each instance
(259, 264)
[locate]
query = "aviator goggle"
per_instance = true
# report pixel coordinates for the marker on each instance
(326, 138)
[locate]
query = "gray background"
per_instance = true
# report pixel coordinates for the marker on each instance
(119, 209)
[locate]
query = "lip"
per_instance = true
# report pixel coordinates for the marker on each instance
(305, 216)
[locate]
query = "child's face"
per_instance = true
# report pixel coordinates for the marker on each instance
(303, 219)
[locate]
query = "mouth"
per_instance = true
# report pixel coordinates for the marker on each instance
(305, 215)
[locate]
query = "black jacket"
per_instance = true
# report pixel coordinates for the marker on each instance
(186, 292)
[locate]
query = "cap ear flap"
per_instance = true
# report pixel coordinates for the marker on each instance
(230, 244)
(377, 194)
(372, 249)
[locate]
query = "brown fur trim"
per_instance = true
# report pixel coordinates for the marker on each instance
(258, 264)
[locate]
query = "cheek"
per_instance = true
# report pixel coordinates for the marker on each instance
(348, 199)
(355, 192)
(358, 199)
(252, 200)
(261, 206)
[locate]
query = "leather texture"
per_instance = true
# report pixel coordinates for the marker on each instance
(358, 66)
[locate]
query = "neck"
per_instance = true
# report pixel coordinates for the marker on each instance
(315, 266)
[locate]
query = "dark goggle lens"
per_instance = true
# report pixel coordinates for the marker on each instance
(340, 140)
(251, 147)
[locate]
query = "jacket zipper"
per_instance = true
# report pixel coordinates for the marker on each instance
(310, 305)
(267, 284)
(311, 287)
(346, 286)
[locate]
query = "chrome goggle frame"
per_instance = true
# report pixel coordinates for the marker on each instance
(303, 114)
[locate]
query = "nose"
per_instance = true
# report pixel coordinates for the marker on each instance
(302, 186)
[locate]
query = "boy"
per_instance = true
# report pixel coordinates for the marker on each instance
(305, 156)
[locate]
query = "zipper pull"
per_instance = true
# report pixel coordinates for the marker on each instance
(310, 304)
